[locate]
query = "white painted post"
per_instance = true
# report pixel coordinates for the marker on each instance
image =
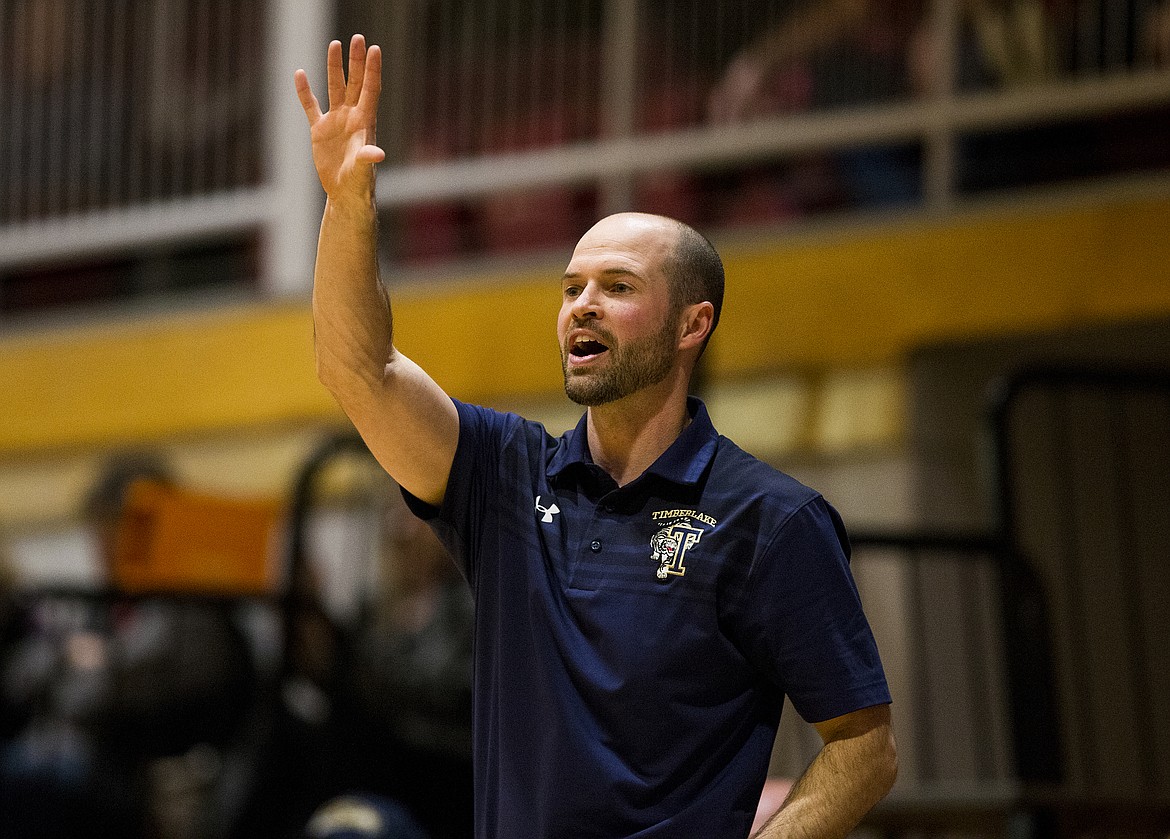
(619, 89)
(298, 33)
(940, 159)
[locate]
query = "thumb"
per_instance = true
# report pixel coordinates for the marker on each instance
(370, 154)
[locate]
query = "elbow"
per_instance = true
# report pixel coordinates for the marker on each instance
(352, 380)
(327, 374)
(342, 381)
(889, 762)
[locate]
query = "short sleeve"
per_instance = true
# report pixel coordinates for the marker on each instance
(474, 479)
(800, 620)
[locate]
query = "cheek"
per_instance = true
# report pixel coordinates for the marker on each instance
(641, 322)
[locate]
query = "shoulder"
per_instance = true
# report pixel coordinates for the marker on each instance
(502, 441)
(504, 426)
(735, 471)
(779, 509)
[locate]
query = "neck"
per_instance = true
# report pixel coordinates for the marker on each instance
(627, 436)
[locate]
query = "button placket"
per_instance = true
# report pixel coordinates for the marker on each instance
(605, 508)
(590, 555)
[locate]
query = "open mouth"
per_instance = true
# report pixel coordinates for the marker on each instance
(585, 348)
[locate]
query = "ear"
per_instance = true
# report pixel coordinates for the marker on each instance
(697, 320)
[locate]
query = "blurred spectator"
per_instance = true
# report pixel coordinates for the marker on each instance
(117, 699)
(1013, 44)
(414, 674)
(826, 54)
(363, 817)
(202, 126)
(408, 686)
(11, 619)
(415, 654)
(1155, 37)
(778, 71)
(1001, 44)
(1016, 42)
(411, 678)
(33, 132)
(7, 593)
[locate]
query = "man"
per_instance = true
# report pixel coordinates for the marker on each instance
(646, 593)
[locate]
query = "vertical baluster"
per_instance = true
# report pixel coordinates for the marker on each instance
(537, 44)
(209, 109)
(1129, 550)
(560, 96)
(54, 41)
(443, 114)
(924, 743)
(1113, 36)
(485, 63)
(120, 134)
(83, 59)
(138, 28)
(180, 89)
(99, 108)
(157, 47)
(245, 34)
(1089, 36)
(9, 107)
(510, 111)
(225, 52)
(1084, 760)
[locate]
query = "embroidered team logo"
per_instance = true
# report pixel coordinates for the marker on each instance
(669, 546)
(547, 512)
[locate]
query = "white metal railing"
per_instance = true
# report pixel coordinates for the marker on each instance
(997, 65)
(117, 103)
(132, 123)
(893, 123)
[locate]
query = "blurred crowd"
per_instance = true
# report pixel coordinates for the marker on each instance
(177, 715)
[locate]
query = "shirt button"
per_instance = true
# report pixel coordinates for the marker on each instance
(595, 546)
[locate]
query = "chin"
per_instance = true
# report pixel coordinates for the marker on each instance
(587, 394)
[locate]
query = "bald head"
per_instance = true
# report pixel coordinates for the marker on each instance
(688, 259)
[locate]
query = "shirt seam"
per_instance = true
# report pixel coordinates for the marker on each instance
(771, 543)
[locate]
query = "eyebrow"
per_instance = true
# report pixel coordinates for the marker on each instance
(609, 272)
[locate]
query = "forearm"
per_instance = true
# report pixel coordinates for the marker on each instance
(352, 322)
(845, 780)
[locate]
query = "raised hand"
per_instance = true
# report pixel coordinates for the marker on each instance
(344, 149)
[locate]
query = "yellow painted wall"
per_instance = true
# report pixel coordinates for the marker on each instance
(868, 299)
(831, 301)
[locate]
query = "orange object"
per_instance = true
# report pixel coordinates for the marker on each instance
(177, 540)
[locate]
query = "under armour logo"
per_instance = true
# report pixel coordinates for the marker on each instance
(549, 512)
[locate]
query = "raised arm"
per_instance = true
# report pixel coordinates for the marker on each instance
(852, 772)
(410, 425)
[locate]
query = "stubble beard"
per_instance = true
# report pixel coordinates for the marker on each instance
(629, 369)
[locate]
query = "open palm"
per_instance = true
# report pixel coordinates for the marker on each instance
(344, 149)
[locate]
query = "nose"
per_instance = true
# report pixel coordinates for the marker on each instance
(587, 304)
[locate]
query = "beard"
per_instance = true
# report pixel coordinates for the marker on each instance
(628, 368)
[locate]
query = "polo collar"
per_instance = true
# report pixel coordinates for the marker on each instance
(684, 462)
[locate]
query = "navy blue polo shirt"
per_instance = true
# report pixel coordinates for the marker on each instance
(633, 645)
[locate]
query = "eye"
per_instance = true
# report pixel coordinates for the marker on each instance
(622, 288)
(572, 291)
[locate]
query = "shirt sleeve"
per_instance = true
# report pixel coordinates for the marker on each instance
(800, 619)
(474, 480)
